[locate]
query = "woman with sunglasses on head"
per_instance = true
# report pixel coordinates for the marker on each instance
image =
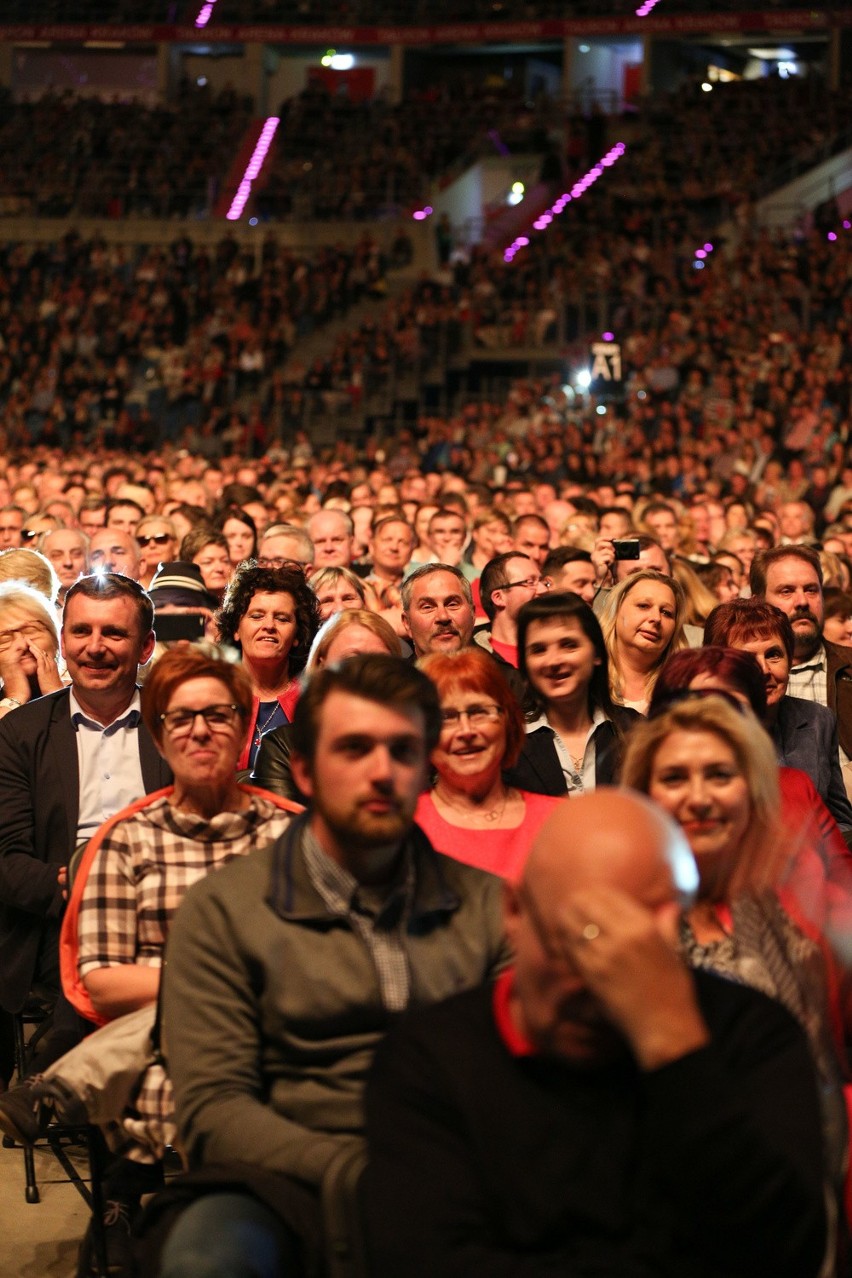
(708, 763)
(471, 813)
(574, 731)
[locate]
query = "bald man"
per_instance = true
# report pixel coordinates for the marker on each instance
(600, 1110)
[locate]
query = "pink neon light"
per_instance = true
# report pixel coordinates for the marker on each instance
(645, 9)
(253, 167)
(205, 13)
(579, 188)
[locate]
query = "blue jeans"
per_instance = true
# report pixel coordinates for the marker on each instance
(229, 1235)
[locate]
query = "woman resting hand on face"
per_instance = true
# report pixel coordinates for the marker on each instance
(470, 812)
(29, 646)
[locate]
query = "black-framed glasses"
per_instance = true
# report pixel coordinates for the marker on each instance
(529, 582)
(475, 715)
(219, 718)
(154, 539)
(292, 565)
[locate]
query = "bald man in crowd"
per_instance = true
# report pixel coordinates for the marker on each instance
(600, 1109)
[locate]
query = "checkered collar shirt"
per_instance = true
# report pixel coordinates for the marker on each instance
(810, 680)
(378, 915)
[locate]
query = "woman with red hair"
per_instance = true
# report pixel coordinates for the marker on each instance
(470, 813)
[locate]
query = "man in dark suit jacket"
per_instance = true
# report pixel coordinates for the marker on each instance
(805, 736)
(67, 762)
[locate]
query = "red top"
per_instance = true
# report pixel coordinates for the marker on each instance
(502, 852)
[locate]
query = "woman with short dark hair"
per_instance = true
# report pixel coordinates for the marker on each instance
(271, 616)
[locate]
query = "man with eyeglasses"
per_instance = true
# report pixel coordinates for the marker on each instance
(284, 975)
(68, 761)
(286, 546)
(507, 583)
(600, 1109)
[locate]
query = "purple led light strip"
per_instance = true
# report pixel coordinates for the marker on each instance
(205, 13)
(579, 189)
(253, 167)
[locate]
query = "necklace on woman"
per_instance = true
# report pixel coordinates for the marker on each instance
(490, 815)
(260, 728)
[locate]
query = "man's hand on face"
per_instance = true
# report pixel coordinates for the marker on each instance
(627, 956)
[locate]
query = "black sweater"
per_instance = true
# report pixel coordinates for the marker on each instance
(485, 1164)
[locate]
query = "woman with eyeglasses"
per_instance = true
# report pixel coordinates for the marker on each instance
(158, 540)
(574, 732)
(470, 812)
(29, 646)
(711, 766)
(271, 616)
(137, 869)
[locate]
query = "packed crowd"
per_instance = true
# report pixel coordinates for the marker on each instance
(64, 154)
(567, 635)
(140, 345)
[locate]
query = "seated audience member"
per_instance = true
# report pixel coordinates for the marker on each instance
(437, 609)
(208, 550)
(601, 1109)
(803, 732)
(67, 549)
(391, 547)
(818, 872)
(52, 751)
(29, 646)
(337, 589)
(491, 535)
(506, 584)
(157, 539)
(642, 623)
(790, 577)
(574, 732)
(112, 550)
(133, 877)
(286, 546)
(351, 633)
(268, 1076)
(712, 768)
(470, 812)
(531, 537)
(699, 598)
(333, 535)
(270, 615)
(837, 621)
(570, 568)
(31, 567)
(240, 532)
(177, 590)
